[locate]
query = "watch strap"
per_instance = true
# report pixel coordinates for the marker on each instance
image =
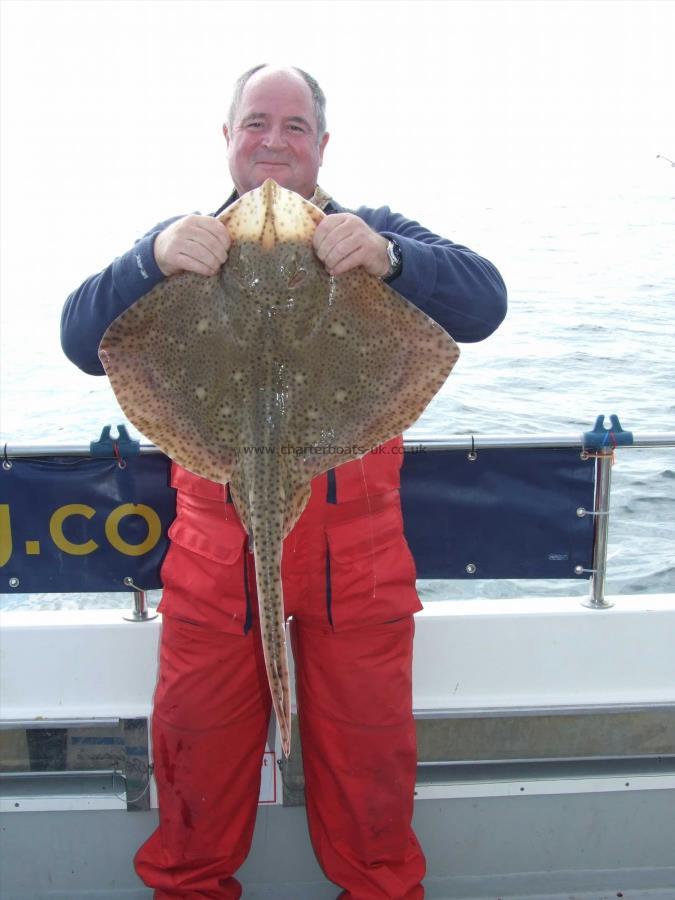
(395, 260)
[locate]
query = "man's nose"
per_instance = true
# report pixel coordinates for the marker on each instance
(274, 137)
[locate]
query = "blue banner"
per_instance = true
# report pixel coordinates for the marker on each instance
(74, 524)
(508, 513)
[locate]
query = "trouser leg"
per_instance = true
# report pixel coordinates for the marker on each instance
(354, 691)
(209, 729)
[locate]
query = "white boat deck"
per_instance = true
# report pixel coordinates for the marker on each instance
(582, 834)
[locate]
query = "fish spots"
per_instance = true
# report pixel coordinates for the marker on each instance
(273, 353)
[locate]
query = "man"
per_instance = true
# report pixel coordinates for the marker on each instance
(349, 579)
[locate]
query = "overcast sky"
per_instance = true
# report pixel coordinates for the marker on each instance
(112, 115)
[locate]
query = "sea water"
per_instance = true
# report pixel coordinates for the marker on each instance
(590, 331)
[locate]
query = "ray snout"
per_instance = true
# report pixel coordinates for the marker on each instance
(272, 214)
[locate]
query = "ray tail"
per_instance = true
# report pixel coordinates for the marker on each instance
(267, 526)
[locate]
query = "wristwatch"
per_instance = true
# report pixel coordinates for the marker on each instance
(395, 261)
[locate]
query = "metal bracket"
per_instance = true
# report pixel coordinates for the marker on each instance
(140, 611)
(118, 447)
(601, 438)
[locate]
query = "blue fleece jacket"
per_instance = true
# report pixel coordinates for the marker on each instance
(455, 286)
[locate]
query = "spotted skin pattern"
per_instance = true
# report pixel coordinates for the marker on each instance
(255, 376)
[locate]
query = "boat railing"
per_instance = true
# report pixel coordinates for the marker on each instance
(602, 451)
(475, 506)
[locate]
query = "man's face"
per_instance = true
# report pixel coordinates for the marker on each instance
(274, 134)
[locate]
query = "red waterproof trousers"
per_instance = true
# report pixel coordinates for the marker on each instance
(349, 587)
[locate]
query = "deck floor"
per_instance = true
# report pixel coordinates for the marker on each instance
(585, 847)
(326, 892)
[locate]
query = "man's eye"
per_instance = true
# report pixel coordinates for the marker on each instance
(297, 128)
(254, 125)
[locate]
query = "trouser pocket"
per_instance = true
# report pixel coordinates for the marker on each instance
(370, 571)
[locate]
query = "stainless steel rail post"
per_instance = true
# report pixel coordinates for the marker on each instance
(140, 611)
(603, 481)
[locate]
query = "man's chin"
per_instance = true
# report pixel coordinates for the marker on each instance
(283, 175)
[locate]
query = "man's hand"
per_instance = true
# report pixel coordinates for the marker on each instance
(193, 244)
(343, 242)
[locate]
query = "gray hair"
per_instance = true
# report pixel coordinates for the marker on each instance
(318, 97)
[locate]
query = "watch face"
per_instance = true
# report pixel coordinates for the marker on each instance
(395, 256)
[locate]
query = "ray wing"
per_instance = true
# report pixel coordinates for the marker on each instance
(180, 374)
(365, 373)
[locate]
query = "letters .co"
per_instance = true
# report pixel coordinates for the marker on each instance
(111, 529)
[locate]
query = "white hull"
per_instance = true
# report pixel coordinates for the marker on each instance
(589, 821)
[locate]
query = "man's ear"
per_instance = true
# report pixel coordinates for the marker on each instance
(226, 133)
(322, 146)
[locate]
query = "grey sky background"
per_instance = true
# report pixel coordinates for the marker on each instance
(112, 114)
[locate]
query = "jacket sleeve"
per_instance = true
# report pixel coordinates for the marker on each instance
(456, 287)
(90, 309)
